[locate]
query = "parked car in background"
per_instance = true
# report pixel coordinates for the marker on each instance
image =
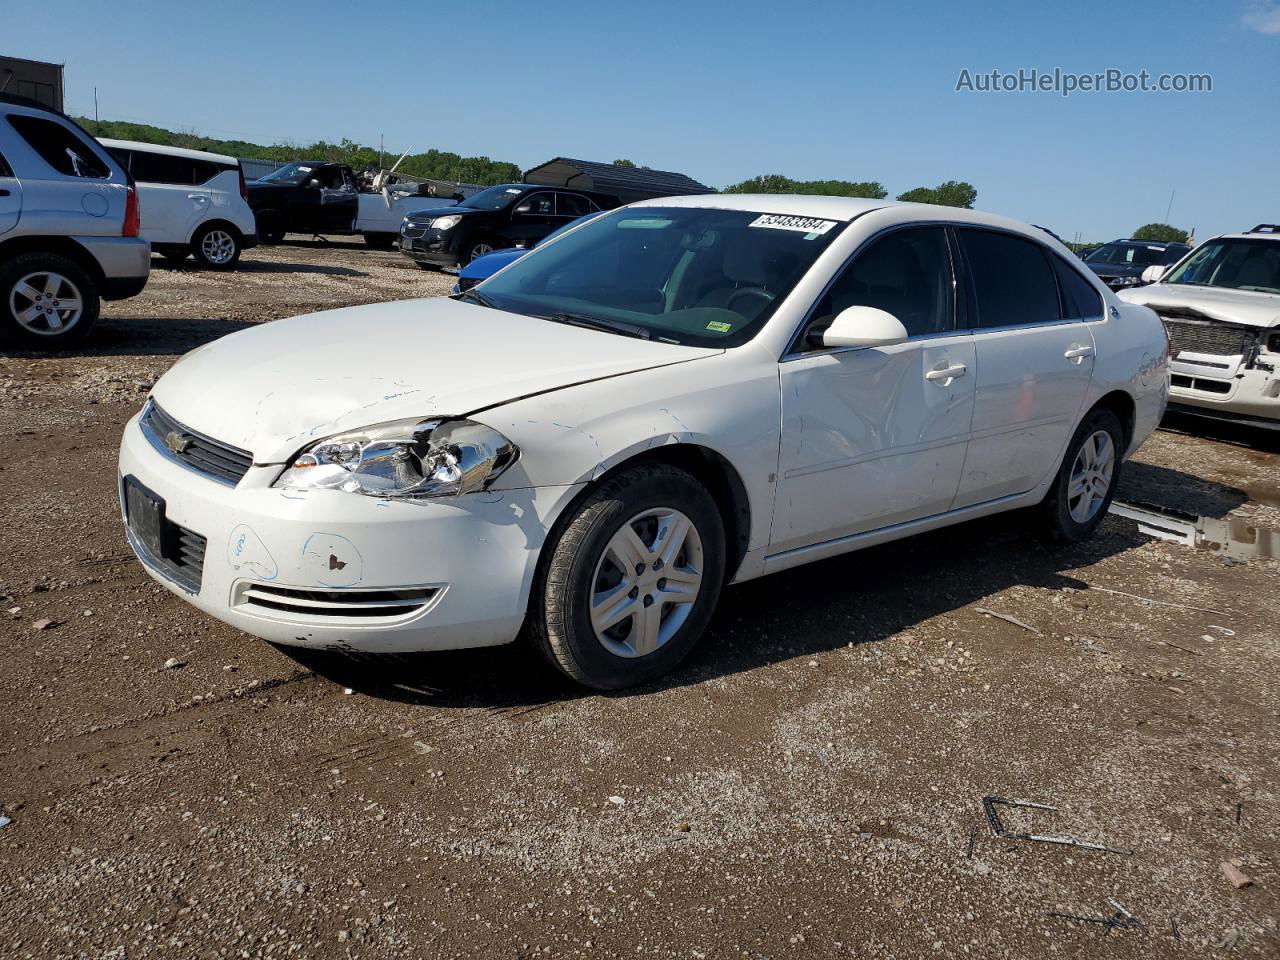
(508, 215)
(69, 234)
(1221, 308)
(482, 268)
(589, 445)
(1120, 263)
(325, 199)
(192, 203)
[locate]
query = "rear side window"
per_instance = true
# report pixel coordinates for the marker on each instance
(1013, 284)
(164, 168)
(1080, 299)
(5, 169)
(59, 147)
(572, 205)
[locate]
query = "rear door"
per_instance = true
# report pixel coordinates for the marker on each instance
(10, 197)
(339, 201)
(68, 186)
(172, 199)
(1034, 364)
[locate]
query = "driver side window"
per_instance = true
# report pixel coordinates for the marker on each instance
(906, 273)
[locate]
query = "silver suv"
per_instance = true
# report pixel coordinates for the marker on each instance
(69, 230)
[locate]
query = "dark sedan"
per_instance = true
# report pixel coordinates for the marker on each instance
(1120, 263)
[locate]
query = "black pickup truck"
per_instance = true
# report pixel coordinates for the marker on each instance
(325, 199)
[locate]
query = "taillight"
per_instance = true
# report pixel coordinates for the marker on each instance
(244, 188)
(132, 220)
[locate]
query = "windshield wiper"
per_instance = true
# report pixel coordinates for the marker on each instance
(598, 323)
(475, 296)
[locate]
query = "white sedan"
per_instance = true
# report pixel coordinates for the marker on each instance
(585, 448)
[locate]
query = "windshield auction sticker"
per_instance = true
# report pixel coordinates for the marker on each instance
(776, 221)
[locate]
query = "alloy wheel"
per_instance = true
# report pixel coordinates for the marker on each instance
(218, 246)
(46, 303)
(646, 582)
(1091, 475)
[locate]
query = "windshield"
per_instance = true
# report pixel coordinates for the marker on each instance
(495, 198)
(290, 173)
(1128, 255)
(1238, 264)
(682, 275)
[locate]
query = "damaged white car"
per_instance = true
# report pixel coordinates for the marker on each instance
(1221, 306)
(587, 446)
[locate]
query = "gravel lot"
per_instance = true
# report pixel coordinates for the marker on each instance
(809, 784)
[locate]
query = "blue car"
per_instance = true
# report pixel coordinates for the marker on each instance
(482, 268)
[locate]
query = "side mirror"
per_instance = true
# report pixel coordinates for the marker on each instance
(313, 184)
(524, 208)
(864, 327)
(1153, 273)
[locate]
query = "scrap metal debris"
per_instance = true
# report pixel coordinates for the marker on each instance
(1122, 919)
(5, 821)
(1009, 618)
(1159, 603)
(998, 828)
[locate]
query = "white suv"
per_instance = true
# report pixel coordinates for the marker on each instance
(1221, 308)
(192, 202)
(68, 228)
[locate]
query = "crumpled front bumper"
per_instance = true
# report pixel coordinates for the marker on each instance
(472, 558)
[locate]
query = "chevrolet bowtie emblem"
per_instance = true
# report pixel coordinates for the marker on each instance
(177, 442)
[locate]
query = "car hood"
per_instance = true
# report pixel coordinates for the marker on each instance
(274, 388)
(441, 211)
(1211, 303)
(1116, 269)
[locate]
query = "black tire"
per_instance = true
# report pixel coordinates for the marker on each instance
(559, 619)
(476, 247)
(270, 227)
(1058, 503)
(380, 241)
(26, 269)
(217, 246)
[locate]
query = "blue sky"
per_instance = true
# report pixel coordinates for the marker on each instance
(723, 91)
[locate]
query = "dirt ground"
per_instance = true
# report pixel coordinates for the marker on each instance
(808, 784)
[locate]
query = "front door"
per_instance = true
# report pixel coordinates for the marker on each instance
(10, 197)
(1035, 360)
(533, 217)
(872, 437)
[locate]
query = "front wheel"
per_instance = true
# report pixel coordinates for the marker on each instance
(216, 247)
(628, 584)
(474, 249)
(46, 301)
(1086, 481)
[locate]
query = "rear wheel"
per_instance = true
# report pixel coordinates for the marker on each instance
(46, 301)
(1086, 482)
(629, 583)
(216, 247)
(270, 226)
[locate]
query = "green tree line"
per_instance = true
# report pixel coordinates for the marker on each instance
(436, 164)
(952, 193)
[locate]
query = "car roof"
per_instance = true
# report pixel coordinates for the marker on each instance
(842, 208)
(1151, 243)
(167, 150)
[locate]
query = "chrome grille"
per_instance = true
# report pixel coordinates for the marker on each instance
(339, 604)
(1206, 336)
(194, 450)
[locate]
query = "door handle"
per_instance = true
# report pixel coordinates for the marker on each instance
(944, 375)
(1077, 352)
(3, 192)
(198, 197)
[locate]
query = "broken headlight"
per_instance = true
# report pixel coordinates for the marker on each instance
(409, 458)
